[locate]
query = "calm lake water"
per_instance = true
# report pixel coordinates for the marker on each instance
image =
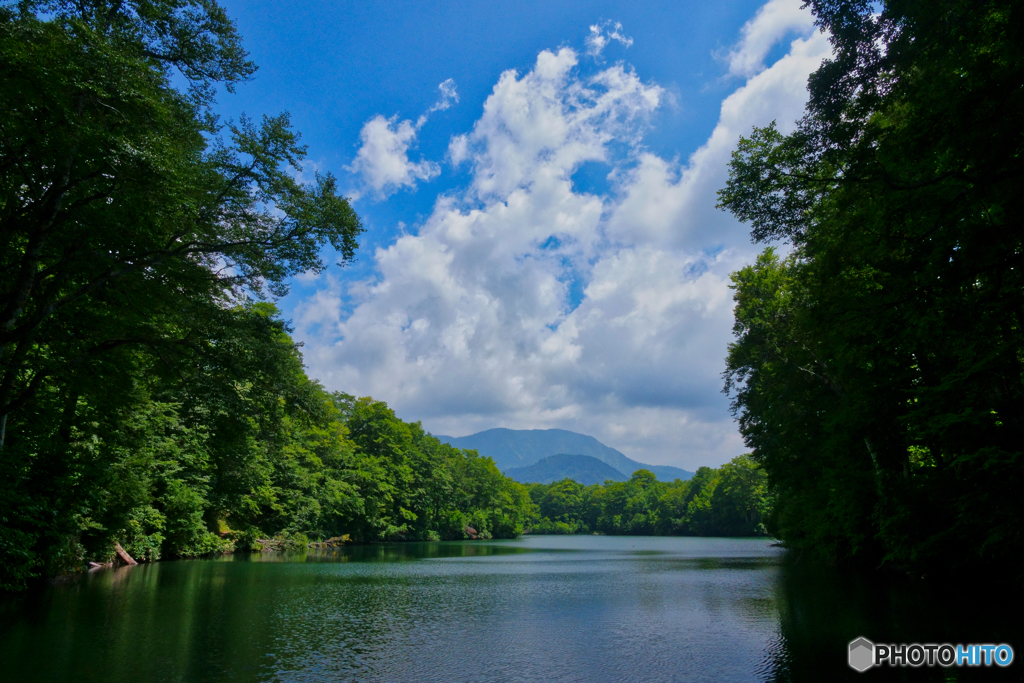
(543, 608)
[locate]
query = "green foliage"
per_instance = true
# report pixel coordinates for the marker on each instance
(143, 537)
(148, 396)
(128, 224)
(270, 455)
(546, 526)
(877, 371)
(195, 37)
(414, 487)
(730, 501)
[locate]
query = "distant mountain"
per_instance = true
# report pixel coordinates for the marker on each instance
(511, 448)
(585, 469)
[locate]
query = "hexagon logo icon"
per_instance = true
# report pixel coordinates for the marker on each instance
(862, 654)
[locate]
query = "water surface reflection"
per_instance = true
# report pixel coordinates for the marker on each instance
(578, 608)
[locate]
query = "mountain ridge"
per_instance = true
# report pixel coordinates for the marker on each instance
(517, 448)
(585, 469)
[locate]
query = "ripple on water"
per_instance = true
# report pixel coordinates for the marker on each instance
(538, 609)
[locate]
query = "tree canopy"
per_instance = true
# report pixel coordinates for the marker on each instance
(150, 394)
(877, 367)
(127, 220)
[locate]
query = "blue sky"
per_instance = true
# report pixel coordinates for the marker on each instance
(537, 182)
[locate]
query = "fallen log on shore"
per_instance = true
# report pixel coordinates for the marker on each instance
(335, 542)
(278, 543)
(125, 557)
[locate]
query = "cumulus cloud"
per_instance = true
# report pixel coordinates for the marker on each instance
(523, 302)
(773, 21)
(543, 125)
(383, 161)
(673, 205)
(600, 36)
(383, 158)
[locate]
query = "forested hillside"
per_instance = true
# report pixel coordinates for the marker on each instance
(878, 367)
(148, 393)
(584, 469)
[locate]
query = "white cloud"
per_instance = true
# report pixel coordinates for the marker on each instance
(600, 36)
(671, 205)
(458, 149)
(449, 95)
(543, 125)
(308, 277)
(522, 302)
(383, 157)
(773, 22)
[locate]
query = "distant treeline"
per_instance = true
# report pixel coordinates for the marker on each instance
(732, 500)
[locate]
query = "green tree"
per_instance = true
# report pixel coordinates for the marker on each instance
(124, 221)
(741, 499)
(877, 373)
(416, 488)
(805, 427)
(730, 501)
(562, 501)
(134, 229)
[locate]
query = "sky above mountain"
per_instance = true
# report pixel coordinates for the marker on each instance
(538, 185)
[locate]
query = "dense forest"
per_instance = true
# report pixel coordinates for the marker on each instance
(149, 394)
(878, 367)
(732, 500)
